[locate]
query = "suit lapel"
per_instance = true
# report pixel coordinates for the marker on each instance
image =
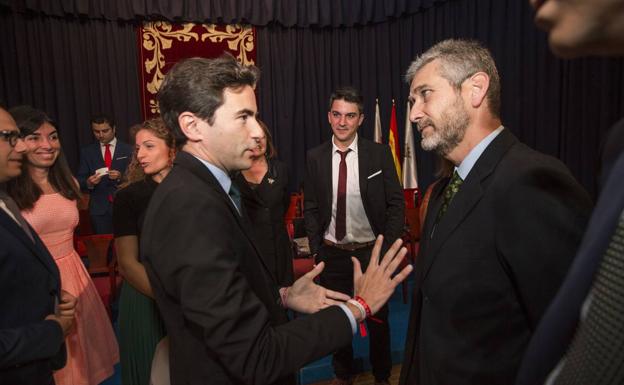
(469, 194)
(120, 152)
(326, 172)
(242, 184)
(37, 247)
(96, 152)
(363, 166)
(189, 162)
(600, 230)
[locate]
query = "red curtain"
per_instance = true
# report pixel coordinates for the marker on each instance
(162, 44)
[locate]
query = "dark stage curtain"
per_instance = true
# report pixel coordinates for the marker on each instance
(562, 108)
(301, 13)
(72, 69)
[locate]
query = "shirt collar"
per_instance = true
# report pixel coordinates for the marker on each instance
(469, 161)
(222, 177)
(353, 146)
(112, 143)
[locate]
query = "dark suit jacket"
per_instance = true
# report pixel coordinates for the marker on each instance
(381, 192)
(557, 328)
(486, 273)
(90, 160)
(30, 347)
(219, 302)
(266, 205)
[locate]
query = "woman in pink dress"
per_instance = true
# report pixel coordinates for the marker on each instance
(47, 195)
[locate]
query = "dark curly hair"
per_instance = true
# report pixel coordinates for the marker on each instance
(157, 127)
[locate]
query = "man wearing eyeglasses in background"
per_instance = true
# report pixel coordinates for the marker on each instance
(35, 314)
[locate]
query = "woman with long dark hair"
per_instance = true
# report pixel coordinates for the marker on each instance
(140, 324)
(264, 189)
(47, 194)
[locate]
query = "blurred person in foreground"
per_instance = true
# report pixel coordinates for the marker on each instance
(580, 339)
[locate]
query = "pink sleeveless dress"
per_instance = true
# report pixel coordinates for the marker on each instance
(92, 349)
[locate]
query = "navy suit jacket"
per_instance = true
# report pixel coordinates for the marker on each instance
(30, 346)
(90, 160)
(556, 330)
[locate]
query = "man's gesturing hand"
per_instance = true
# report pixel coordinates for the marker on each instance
(377, 284)
(305, 296)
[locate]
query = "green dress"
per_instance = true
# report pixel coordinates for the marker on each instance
(140, 325)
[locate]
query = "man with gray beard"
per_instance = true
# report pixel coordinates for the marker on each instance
(499, 234)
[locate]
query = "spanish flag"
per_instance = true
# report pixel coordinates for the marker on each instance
(393, 141)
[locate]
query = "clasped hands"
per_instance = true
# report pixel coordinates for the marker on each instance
(65, 312)
(375, 286)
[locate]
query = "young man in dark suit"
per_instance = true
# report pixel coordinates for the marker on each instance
(580, 339)
(499, 235)
(102, 165)
(352, 194)
(224, 313)
(32, 326)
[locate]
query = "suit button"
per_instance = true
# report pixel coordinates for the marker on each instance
(426, 299)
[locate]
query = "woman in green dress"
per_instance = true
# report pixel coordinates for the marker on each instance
(140, 324)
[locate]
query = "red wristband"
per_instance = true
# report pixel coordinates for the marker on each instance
(369, 314)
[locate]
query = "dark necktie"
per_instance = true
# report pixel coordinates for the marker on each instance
(12, 206)
(236, 198)
(341, 197)
(451, 189)
(108, 162)
(108, 156)
(596, 354)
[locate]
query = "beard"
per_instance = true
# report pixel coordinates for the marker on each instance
(450, 130)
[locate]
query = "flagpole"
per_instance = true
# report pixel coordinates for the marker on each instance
(377, 134)
(393, 141)
(410, 175)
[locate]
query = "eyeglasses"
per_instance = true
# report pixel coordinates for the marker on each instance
(11, 137)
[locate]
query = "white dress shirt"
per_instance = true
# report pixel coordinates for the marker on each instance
(358, 228)
(112, 144)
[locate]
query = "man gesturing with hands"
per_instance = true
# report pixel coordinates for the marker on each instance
(223, 310)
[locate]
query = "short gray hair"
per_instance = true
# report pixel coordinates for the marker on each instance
(460, 59)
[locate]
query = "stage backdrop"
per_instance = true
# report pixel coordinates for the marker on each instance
(162, 44)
